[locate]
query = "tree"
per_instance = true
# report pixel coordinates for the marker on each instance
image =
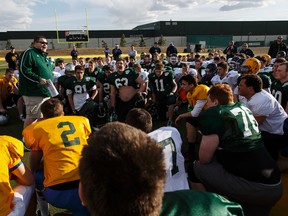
(142, 42)
(79, 45)
(52, 44)
(8, 44)
(123, 41)
(162, 40)
(104, 44)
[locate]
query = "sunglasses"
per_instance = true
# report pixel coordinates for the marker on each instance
(42, 42)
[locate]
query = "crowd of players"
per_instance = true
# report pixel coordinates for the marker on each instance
(107, 90)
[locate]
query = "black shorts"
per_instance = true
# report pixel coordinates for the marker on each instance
(11, 100)
(122, 108)
(193, 121)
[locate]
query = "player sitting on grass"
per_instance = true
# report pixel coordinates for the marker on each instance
(56, 143)
(233, 161)
(170, 140)
(14, 201)
(122, 173)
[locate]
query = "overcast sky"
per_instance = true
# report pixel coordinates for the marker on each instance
(21, 15)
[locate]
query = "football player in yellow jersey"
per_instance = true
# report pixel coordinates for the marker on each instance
(15, 200)
(58, 140)
(197, 99)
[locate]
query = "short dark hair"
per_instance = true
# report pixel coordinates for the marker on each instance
(190, 79)
(139, 118)
(280, 60)
(108, 68)
(38, 37)
(79, 67)
(122, 172)
(159, 66)
(254, 81)
(223, 65)
(52, 108)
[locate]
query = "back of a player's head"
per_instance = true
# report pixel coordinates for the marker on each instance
(52, 108)
(122, 172)
(222, 92)
(140, 118)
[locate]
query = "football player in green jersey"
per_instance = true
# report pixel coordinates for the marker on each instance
(81, 92)
(233, 161)
(147, 64)
(280, 91)
(126, 86)
(163, 91)
(91, 70)
(104, 90)
(61, 86)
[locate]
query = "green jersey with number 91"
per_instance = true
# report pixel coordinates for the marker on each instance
(127, 78)
(234, 124)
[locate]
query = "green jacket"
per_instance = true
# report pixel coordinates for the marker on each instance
(34, 65)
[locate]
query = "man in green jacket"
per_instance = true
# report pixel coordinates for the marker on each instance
(34, 72)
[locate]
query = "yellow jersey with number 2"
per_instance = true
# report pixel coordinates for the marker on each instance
(61, 140)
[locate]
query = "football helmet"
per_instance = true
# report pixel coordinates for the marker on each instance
(211, 69)
(250, 65)
(238, 64)
(281, 54)
(268, 58)
(173, 59)
(69, 67)
(4, 119)
(233, 63)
